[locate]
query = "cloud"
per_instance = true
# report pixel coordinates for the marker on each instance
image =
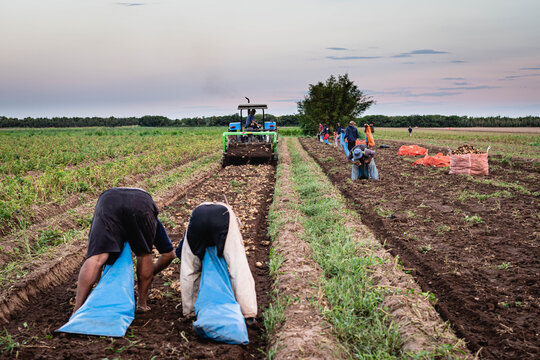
(407, 93)
(457, 61)
(461, 83)
(513, 77)
(481, 87)
(393, 92)
(419, 52)
(129, 4)
(530, 68)
(436, 94)
(352, 57)
(336, 48)
(287, 100)
(453, 78)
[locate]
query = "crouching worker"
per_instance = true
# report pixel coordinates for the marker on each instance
(124, 214)
(216, 225)
(363, 163)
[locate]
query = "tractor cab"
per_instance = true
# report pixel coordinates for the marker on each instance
(250, 141)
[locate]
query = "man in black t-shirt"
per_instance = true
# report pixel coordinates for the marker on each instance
(124, 214)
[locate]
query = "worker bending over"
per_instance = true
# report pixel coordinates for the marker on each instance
(215, 224)
(363, 166)
(124, 214)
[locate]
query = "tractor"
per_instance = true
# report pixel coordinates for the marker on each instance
(254, 144)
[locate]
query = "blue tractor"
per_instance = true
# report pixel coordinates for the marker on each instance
(248, 141)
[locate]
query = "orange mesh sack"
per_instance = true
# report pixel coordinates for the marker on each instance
(420, 161)
(469, 164)
(360, 142)
(438, 160)
(412, 150)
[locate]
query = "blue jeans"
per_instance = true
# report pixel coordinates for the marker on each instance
(365, 171)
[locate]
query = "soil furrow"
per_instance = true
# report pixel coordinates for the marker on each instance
(162, 332)
(478, 256)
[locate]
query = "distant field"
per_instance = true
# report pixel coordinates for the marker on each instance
(507, 142)
(520, 130)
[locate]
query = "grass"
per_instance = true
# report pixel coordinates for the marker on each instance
(355, 304)
(424, 249)
(443, 229)
(464, 195)
(7, 343)
(504, 266)
(474, 219)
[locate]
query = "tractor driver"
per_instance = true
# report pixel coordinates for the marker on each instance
(250, 120)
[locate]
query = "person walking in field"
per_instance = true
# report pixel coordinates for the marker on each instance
(124, 215)
(351, 134)
(363, 164)
(410, 130)
(215, 224)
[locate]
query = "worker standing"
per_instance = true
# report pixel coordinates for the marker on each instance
(215, 224)
(124, 215)
(351, 134)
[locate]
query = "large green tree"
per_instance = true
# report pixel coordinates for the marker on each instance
(336, 100)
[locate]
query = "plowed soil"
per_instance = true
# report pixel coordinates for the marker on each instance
(474, 245)
(162, 332)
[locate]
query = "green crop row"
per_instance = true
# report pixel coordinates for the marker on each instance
(20, 194)
(28, 250)
(354, 301)
(34, 150)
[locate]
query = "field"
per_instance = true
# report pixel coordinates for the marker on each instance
(326, 287)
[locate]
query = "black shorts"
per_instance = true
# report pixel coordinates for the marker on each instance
(126, 214)
(208, 226)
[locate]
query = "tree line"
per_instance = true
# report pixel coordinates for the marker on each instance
(284, 120)
(148, 120)
(449, 121)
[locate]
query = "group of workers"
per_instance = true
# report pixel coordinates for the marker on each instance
(130, 215)
(356, 150)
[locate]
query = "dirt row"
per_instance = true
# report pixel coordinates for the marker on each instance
(163, 332)
(474, 245)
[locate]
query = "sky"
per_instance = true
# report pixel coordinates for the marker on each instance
(180, 58)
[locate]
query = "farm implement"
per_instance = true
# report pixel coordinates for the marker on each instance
(254, 144)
